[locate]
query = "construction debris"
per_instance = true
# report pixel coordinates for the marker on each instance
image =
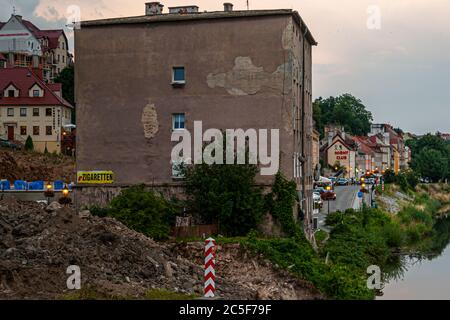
(32, 166)
(38, 245)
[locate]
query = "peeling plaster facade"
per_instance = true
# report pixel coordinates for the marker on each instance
(243, 70)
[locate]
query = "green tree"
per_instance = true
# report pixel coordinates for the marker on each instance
(225, 194)
(431, 163)
(345, 110)
(29, 146)
(66, 78)
(427, 143)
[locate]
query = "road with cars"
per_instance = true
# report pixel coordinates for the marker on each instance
(346, 197)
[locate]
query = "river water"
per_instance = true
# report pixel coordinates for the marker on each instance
(423, 278)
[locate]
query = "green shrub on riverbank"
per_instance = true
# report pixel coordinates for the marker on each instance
(362, 238)
(338, 281)
(143, 211)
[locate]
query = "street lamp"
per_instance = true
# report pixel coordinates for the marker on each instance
(65, 191)
(48, 193)
(328, 188)
(65, 199)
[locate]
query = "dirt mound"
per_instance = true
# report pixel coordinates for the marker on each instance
(247, 276)
(29, 166)
(37, 246)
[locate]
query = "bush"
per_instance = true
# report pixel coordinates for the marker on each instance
(411, 214)
(29, 146)
(143, 211)
(402, 182)
(296, 255)
(389, 176)
(412, 179)
(280, 203)
(226, 195)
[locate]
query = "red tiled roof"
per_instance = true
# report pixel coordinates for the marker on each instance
(364, 145)
(52, 35)
(23, 79)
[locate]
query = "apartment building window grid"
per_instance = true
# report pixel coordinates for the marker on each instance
(23, 112)
(35, 112)
(10, 112)
(23, 130)
(48, 130)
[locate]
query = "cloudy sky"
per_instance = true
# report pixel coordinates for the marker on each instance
(399, 66)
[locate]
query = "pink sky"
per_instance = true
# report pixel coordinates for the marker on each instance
(400, 72)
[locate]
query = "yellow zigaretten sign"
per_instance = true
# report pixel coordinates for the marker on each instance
(95, 177)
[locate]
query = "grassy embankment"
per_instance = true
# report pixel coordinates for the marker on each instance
(360, 239)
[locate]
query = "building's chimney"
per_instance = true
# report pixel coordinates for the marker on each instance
(35, 61)
(37, 70)
(11, 59)
(183, 9)
(153, 8)
(227, 7)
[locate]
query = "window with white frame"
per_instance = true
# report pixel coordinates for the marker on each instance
(178, 75)
(178, 121)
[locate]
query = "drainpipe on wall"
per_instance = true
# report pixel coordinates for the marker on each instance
(307, 212)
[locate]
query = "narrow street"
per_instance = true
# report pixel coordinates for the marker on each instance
(346, 197)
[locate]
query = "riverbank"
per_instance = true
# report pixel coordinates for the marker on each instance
(403, 223)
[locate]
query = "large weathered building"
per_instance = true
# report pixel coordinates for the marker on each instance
(138, 79)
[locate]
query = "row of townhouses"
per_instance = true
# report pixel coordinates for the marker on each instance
(383, 148)
(22, 44)
(31, 104)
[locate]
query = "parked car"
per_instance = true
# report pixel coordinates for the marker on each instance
(328, 195)
(342, 182)
(319, 190)
(317, 200)
(8, 144)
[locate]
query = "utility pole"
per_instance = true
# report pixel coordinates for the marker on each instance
(248, 7)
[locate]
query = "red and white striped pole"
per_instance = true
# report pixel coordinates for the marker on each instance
(210, 265)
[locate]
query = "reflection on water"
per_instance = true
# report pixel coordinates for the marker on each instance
(422, 276)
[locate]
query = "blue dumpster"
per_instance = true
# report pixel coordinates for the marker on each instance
(5, 185)
(36, 185)
(58, 185)
(20, 185)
